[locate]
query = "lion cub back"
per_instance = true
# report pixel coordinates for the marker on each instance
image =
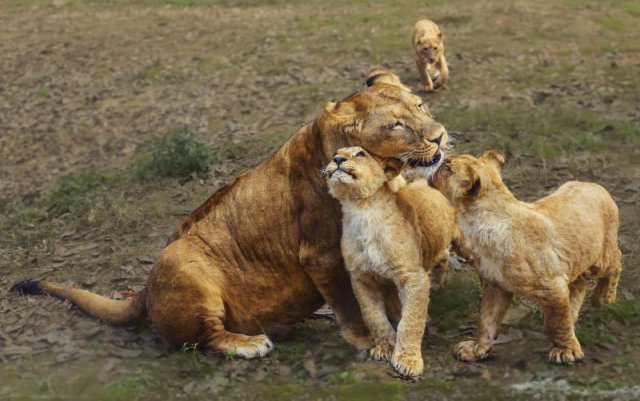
(434, 217)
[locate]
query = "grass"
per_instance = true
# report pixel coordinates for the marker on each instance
(455, 302)
(177, 154)
(545, 132)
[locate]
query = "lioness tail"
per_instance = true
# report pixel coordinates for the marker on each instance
(117, 313)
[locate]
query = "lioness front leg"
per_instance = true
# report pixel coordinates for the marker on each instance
(495, 304)
(333, 283)
(372, 304)
(414, 294)
(558, 323)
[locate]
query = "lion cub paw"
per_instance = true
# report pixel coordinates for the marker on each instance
(565, 356)
(381, 352)
(407, 364)
(469, 351)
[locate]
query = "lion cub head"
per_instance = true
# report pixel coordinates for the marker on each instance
(430, 47)
(354, 173)
(465, 179)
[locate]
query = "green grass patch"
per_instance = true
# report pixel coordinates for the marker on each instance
(546, 131)
(611, 24)
(177, 154)
(150, 72)
(43, 93)
(455, 302)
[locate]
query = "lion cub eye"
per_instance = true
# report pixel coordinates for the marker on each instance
(360, 154)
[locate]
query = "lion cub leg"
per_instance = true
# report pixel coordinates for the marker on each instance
(444, 73)
(558, 323)
(424, 74)
(495, 304)
(577, 291)
(414, 294)
(607, 287)
(369, 293)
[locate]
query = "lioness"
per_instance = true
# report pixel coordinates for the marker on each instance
(264, 251)
(390, 240)
(429, 47)
(542, 250)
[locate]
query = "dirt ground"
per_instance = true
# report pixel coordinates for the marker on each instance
(86, 87)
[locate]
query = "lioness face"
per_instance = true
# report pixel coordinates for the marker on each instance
(390, 123)
(465, 178)
(430, 48)
(354, 174)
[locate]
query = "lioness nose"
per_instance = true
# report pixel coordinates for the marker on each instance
(438, 139)
(339, 159)
(438, 134)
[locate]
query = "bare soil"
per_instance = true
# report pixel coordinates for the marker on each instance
(85, 86)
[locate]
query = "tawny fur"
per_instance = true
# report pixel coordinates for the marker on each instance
(396, 238)
(543, 250)
(264, 251)
(429, 48)
(383, 76)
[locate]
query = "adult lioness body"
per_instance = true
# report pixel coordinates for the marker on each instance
(264, 251)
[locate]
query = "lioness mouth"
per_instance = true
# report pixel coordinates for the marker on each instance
(426, 163)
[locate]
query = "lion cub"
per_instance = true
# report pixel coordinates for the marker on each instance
(390, 239)
(430, 60)
(543, 250)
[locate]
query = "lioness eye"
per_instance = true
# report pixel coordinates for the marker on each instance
(360, 154)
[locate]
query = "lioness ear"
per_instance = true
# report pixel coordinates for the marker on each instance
(330, 106)
(392, 167)
(495, 157)
(473, 184)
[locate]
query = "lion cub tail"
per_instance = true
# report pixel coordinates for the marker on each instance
(117, 313)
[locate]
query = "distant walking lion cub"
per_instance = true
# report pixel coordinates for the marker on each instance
(543, 250)
(391, 239)
(429, 47)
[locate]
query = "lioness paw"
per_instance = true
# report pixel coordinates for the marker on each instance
(408, 365)
(469, 351)
(381, 352)
(565, 356)
(254, 346)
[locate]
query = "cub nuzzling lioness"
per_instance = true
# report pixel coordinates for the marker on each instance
(429, 47)
(543, 250)
(391, 239)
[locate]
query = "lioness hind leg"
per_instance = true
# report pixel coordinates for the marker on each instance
(217, 339)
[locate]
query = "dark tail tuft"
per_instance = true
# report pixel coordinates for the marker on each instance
(28, 287)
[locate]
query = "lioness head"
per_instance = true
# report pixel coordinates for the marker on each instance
(464, 179)
(388, 122)
(354, 173)
(430, 47)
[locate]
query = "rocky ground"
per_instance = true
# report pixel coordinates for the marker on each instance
(89, 88)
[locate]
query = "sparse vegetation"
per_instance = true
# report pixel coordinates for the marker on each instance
(552, 83)
(177, 154)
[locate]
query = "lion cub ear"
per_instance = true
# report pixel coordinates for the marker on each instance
(330, 106)
(472, 183)
(495, 158)
(392, 168)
